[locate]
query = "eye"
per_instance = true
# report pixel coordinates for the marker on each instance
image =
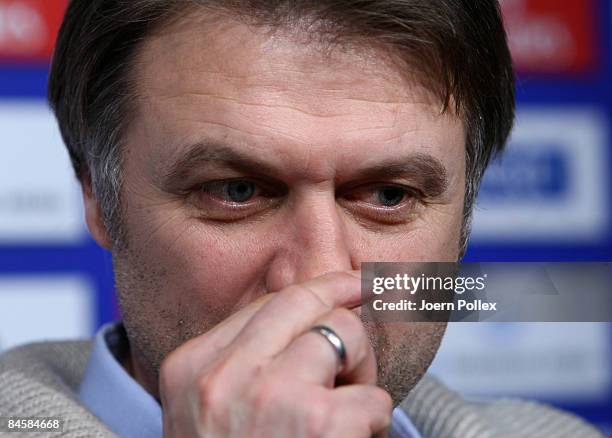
(239, 191)
(236, 191)
(390, 196)
(233, 199)
(380, 202)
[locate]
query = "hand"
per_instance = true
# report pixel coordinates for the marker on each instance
(263, 373)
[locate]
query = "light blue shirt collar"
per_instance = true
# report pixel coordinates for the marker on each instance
(113, 395)
(401, 426)
(127, 409)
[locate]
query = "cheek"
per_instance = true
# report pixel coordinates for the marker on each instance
(205, 266)
(435, 239)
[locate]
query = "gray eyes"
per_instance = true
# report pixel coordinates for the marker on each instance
(236, 199)
(390, 196)
(239, 191)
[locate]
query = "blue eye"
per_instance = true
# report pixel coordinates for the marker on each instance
(229, 200)
(239, 191)
(390, 196)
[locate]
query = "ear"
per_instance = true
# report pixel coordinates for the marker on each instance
(93, 215)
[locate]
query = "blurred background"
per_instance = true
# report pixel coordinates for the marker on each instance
(548, 199)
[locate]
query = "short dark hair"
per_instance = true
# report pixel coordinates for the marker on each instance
(459, 45)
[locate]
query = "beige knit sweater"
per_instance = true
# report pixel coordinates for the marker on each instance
(41, 380)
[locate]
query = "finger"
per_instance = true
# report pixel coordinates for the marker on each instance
(197, 350)
(366, 411)
(320, 294)
(266, 331)
(294, 310)
(312, 358)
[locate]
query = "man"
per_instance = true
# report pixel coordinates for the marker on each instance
(240, 159)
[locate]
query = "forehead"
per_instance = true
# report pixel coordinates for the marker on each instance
(238, 81)
(221, 44)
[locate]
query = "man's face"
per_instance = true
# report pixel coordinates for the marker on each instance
(256, 161)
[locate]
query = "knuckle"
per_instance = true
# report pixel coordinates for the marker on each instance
(169, 371)
(347, 322)
(347, 318)
(317, 417)
(363, 424)
(312, 413)
(211, 391)
(383, 401)
(266, 396)
(352, 331)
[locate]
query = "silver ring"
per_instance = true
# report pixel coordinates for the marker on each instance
(335, 341)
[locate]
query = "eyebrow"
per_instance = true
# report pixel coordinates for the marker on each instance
(206, 153)
(427, 172)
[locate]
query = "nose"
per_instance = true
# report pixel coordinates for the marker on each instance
(313, 241)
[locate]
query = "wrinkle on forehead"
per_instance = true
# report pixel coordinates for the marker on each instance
(268, 60)
(247, 85)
